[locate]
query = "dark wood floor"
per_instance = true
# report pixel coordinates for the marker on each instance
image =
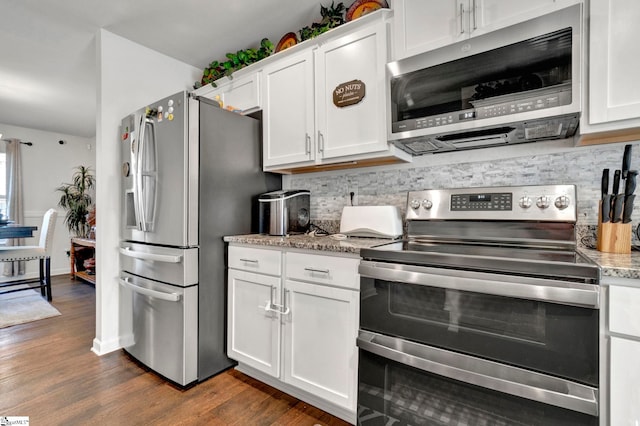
(47, 372)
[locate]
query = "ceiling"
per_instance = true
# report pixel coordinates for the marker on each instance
(48, 55)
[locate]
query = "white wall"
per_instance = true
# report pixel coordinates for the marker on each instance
(129, 77)
(45, 166)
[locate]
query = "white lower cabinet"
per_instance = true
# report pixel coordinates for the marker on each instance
(253, 331)
(623, 338)
(320, 332)
(297, 331)
(625, 382)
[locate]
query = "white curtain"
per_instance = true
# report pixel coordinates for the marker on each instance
(14, 202)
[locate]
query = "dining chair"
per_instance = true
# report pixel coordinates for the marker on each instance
(41, 252)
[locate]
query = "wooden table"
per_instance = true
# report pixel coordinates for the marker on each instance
(80, 242)
(13, 230)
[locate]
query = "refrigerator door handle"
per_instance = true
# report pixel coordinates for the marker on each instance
(150, 256)
(135, 172)
(137, 154)
(170, 297)
(146, 193)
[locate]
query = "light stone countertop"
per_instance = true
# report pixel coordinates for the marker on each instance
(615, 265)
(611, 265)
(308, 242)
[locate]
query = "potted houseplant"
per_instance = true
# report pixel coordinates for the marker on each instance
(77, 201)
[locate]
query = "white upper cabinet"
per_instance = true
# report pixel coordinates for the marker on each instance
(241, 94)
(360, 59)
(614, 66)
(326, 104)
(422, 25)
(289, 108)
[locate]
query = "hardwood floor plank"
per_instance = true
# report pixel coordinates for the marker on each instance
(47, 372)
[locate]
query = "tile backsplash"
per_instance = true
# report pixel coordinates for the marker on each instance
(388, 185)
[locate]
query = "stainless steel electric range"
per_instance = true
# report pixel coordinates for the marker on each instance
(485, 314)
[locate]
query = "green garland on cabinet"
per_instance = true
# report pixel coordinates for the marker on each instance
(332, 16)
(234, 62)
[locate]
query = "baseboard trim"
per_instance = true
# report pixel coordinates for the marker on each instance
(102, 348)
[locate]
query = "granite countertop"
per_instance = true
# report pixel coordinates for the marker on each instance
(611, 265)
(615, 265)
(309, 242)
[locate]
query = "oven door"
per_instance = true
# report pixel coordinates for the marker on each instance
(537, 324)
(397, 387)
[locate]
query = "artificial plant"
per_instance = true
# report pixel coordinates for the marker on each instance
(77, 201)
(234, 62)
(332, 16)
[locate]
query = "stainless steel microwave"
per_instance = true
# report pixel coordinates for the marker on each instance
(513, 85)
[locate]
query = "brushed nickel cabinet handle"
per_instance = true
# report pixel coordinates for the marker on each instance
(475, 23)
(321, 271)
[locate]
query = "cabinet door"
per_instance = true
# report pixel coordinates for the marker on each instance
(488, 15)
(242, 93)
(614, 92)
(320, 341)
(253, 332)
(421, 25)
(288, 114)
(359, 128)
(625, 376)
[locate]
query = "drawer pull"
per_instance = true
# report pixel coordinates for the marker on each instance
(249, 260)
(320, 271)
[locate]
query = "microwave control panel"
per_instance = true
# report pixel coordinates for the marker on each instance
(488, 108)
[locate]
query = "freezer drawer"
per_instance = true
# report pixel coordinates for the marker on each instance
(164, 327)
(169, 265)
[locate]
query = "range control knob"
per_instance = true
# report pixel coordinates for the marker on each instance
(415, 204)
(562, 202)
(525, 202)
(427, 204)
(543, 202)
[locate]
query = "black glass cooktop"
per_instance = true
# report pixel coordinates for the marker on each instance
(552, 263)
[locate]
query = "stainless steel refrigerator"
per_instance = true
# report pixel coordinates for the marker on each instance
(191, 173)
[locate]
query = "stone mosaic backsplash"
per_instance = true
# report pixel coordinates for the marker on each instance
(388, 185)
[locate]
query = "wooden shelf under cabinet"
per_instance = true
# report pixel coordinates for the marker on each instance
(80, 244)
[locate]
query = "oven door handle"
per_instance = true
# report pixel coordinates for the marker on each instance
(562, 292)
(480, 372)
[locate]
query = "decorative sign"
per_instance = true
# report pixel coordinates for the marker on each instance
(349, 93)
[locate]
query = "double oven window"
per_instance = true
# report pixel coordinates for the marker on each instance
(431, 353)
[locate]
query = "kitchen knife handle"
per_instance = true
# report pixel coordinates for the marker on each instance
(630, 183)
(616, 182)
(626, 161)
(606, 208)
(616, 214)
(628, 208)
(604, 187)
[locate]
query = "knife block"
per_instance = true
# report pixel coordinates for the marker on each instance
(613, 237)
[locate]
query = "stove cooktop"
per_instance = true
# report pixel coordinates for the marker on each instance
(545, 263)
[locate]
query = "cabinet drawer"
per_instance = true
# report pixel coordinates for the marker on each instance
(624, 305)
(251, 259)
(338, 271)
